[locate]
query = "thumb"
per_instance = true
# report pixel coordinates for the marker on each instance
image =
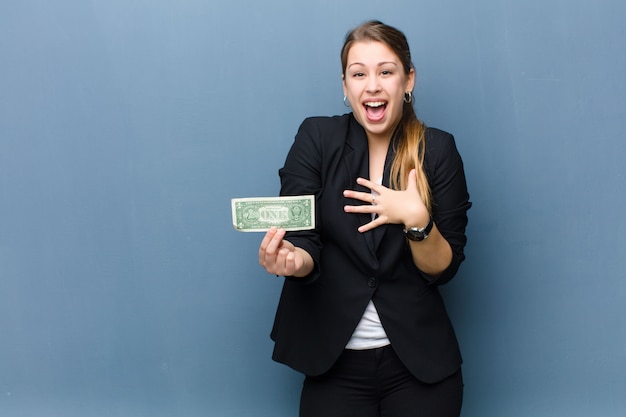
(412, 184)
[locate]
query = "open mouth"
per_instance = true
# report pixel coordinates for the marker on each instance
(375, 110)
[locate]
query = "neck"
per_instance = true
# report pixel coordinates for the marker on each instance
(378, 141)
(377, 156)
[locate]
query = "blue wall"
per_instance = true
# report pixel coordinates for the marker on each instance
(127, 125)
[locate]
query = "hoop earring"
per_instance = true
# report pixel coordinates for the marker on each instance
(346, 102)
(408, 97)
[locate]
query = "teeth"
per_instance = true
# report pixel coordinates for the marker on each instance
(375, 103)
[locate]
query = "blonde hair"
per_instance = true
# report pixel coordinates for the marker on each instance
(410, 143)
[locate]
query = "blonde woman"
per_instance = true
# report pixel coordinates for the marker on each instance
(360, 313)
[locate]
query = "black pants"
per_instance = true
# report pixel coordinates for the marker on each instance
(375, 383)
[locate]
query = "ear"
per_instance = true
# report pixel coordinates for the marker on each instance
(410, 82)
(343, 82)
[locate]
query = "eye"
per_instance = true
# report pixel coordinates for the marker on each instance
(386, 72)
(358, 74)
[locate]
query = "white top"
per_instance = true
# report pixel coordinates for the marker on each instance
(369, 333)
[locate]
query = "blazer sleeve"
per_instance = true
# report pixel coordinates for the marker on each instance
(444, 167)
(302, 175)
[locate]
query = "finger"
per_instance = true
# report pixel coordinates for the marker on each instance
(285, 262)
(269, 235)
(268, 254)
(373, 186)
(367, 183)
(359, 195)
(276, 242)
(281, 257)
(290, 264)
(363, 208)
(367, 227)
(373, 224)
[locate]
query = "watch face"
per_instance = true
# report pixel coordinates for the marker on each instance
(418, 234)
(415, 234)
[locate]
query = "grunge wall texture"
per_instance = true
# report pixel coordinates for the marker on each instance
(126, 126)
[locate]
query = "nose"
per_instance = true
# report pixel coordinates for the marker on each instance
(373, 85)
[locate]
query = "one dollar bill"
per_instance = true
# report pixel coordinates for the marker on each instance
(260, 213)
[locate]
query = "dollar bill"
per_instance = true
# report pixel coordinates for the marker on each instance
(258, 214)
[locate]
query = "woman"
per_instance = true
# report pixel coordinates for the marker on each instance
(360, 313)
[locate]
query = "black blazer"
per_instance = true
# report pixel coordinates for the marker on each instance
(317, 315)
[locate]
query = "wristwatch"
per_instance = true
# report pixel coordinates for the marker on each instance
(417, 234)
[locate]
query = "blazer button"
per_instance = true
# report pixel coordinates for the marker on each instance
(372, 282)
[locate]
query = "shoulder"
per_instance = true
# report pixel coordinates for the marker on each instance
(440, 151)
(438, 143)
(437, 137)
(329, 133)
(323, 124)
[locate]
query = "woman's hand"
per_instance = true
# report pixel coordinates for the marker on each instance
(390, 206)
(280, 257)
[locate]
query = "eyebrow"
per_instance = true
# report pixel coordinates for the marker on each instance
(378, 65)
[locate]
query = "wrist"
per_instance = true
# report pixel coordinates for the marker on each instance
(416, 218)
(419, 233)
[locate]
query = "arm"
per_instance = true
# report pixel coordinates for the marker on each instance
(295, 254)
(440, 255)
(450, 200)
(432, 255)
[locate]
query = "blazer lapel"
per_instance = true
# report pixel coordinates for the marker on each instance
(357, 163)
